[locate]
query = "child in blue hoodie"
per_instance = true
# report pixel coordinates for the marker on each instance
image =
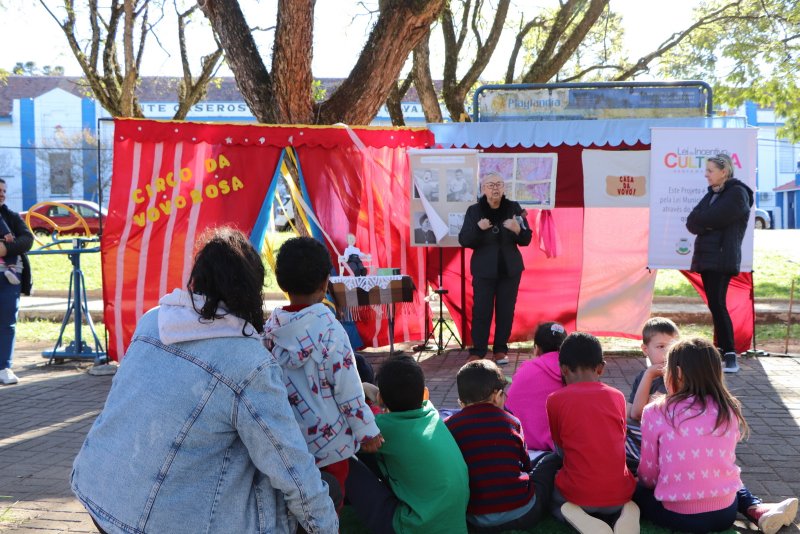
(319, 368)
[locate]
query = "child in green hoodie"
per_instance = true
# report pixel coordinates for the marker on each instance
(417, 482)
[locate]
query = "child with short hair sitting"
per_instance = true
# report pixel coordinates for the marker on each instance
(319, 370)
(506, 490)
(417, 481)
(587, 421)
(659, 336)
(533, 382)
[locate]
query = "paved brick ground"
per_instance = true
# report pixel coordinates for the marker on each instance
(43, 421)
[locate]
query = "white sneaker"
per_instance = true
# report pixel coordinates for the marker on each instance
(12, 278)
(583, 522)
(777, 516)
(7, 377)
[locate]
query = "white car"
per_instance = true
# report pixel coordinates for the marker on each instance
(763, 220)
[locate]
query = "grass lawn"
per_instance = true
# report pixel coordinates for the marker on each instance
(350, 524)
(51, 272)
(773, 272)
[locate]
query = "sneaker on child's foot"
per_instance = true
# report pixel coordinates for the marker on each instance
(729, 363)
(7, 377)
(583, 522)
(12, 278)
(628, 521)
(772, 517)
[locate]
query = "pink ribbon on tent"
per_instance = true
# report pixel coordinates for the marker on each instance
(549, 243)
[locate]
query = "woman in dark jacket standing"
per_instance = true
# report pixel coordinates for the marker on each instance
(494, 228)
(719, 221)
(9, 293)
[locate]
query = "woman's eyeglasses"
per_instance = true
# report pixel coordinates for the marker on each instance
(494, 185)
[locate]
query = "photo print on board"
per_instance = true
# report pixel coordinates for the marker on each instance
(423, 231)
(460, 185)
(428, 181)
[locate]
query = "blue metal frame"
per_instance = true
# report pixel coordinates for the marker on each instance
(77, 304)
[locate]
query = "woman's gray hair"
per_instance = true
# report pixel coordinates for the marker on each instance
(723, 162)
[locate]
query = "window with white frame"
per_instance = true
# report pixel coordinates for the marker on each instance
(787, 162)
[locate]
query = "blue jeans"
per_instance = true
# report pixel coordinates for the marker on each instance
(652, 509)
(9, 308)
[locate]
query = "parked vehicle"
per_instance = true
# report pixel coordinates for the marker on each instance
(282, 211)
(763, 220)
(90, 212)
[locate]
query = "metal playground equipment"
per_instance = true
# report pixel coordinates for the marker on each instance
(65, 240)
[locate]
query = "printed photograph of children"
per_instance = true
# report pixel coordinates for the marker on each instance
(454, 222)
(459, 185)
(423, 234)
(428, 181)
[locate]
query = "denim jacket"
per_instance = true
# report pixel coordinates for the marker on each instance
(198, 436)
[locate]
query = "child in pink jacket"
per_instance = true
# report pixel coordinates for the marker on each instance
(533, 382)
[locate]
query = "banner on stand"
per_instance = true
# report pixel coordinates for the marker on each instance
(677, 174)
(444, 185)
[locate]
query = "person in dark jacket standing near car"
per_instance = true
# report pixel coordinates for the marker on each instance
(719, 221)
(9, 293)
(494, 228)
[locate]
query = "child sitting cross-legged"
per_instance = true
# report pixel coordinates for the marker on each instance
(533, 382)
(587, 420)
(506, 490)
(658, 336)
(319, 369)
(688, 477)
(417, 481)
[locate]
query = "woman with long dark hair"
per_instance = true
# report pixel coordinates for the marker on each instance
(197, 434)
(719, 221)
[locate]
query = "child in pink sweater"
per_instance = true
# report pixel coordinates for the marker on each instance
(688, 477)
(533, 382)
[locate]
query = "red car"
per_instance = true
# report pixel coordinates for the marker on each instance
(90, 212)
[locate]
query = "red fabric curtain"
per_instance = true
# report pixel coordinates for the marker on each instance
(173, 180)
(366, 193)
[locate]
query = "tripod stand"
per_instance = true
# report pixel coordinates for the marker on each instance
(440, 323)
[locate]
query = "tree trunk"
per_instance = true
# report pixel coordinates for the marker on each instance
(423, 81)
(291, 62)
(454, 91)
(252, 77)
(399, 28)
(394, 103)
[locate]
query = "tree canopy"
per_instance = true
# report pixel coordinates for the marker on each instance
(109, 44)
(747, 49)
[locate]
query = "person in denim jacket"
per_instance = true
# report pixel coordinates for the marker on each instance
(197, 434)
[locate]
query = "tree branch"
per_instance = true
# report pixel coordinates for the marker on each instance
(525, 29)
(641, 65)
(423, 81)
(549, 62)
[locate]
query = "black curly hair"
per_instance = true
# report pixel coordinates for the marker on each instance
(302, 265)
(228, 269)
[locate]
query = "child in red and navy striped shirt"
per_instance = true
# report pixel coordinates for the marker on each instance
(506, 491)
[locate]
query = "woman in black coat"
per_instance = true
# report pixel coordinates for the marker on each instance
(719, 221)
(494, 228)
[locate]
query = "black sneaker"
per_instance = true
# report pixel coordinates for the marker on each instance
(729, 363)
